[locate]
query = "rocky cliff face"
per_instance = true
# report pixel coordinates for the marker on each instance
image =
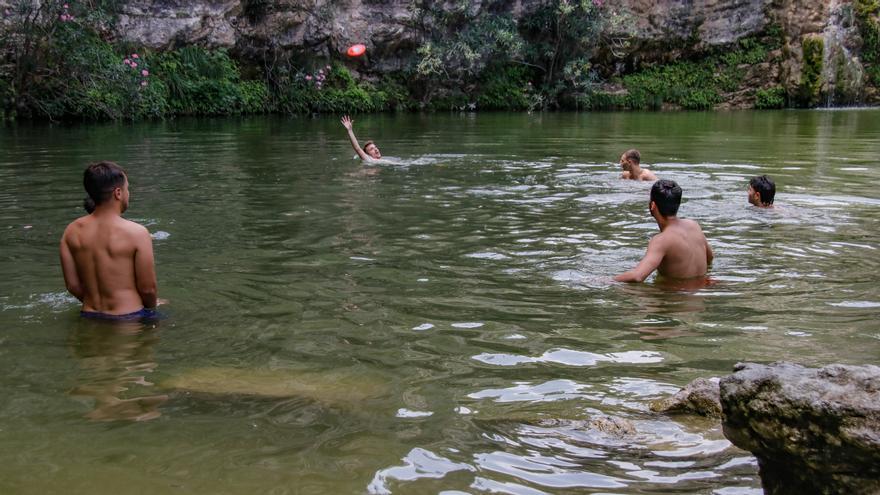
(660, 30)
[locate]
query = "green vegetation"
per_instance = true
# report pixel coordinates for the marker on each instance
(58, 61)
(811, 72)
(868, 19)
(694, 85)
(770, 98)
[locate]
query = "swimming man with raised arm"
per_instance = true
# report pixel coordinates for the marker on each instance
(630, 162)
(680, 250)
(762, 190)
(107, 260)
(370, 152)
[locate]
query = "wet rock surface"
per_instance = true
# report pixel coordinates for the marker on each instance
(812, 430)
(700, 396)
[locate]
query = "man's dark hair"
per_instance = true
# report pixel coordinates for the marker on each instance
(633, 155)
(368, 143)
(666, 195)
(765, 187)
(100, 179)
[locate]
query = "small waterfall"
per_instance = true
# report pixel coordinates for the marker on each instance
(842, 73)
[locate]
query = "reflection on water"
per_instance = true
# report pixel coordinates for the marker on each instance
(116, 360)
(446, 323)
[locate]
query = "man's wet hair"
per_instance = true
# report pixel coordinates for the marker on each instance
(666, 194)
(765, 187)
(633, 155)
(100, 179)
(367, 144)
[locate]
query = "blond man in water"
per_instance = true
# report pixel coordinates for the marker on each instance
(680, 250)
(630, 162)
(107, 260)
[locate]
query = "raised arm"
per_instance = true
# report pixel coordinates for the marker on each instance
(68, 267)
(650, 262)
(145, 269)
(347, 123)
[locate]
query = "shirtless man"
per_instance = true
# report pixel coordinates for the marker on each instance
(680, 250)
(762, 190)
(630, 162)
(108, 261)
(370, 152)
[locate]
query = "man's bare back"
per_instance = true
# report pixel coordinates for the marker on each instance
(643, 174)
(108, 261)
(680, 250)
(686, 251)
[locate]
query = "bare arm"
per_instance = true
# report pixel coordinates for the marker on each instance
(347, 123)
(145, 269)
(650, 262)
(68, 267)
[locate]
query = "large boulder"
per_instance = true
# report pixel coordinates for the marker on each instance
(813, 430)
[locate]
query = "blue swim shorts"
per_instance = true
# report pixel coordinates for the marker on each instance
(143, 314)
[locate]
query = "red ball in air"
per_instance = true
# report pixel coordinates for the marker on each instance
(356, 50)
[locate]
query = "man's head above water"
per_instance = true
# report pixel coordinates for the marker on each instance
(762, 190)
(106, 183)
(665, 198)
(630, 158)
(371, 149)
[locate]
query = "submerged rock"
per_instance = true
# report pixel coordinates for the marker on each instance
(700, 396)
(812, 430)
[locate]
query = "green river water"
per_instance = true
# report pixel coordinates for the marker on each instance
(441, 324)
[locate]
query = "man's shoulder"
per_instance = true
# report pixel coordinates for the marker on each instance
(133, 228)
(648, 175)
(76, 225)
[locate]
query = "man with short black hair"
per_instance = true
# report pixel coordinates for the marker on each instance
(762, 190)
(680, 250)
(107, 260)
(631, 163)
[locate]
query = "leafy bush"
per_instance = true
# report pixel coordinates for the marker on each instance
(811, 71)
(505, 88)
(770, 98)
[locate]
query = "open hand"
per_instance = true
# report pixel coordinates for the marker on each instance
(347, 122)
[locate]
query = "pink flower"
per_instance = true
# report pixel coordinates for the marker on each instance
(134, 55)
(133, 65)
(126, 62)
(143, 83)
(328, 68)
(308, 77)
(145, 73)
(66, 6)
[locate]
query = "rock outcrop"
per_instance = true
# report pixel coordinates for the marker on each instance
(660, 31)
(700, 396)
(813, 430)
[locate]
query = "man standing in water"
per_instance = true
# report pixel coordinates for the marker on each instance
(630, 162)
(762, 190)
(107, 260)
(680, 250)
(370, 151)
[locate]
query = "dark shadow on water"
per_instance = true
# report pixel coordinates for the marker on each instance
(115, 360)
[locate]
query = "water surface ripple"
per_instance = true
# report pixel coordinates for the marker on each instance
(445, 323)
